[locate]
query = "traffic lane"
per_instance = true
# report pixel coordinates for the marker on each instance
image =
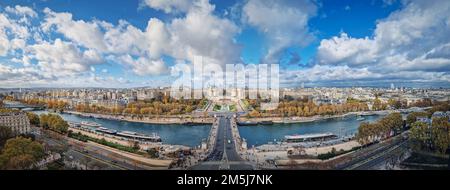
(383, 156)
(104, 157)
(113, 158)
(73, 155)
(231, 147)
(370, 152)
(217, 152)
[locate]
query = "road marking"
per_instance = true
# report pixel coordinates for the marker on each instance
(100, 160)
(375, 156)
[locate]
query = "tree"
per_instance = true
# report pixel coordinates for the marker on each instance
(34, 118)
(5, 134)
(419, 135)
(20, 153)
(54, 122)
(392, 122)
(441, 134)
(377, 105)
(363, 133)
(412, 117)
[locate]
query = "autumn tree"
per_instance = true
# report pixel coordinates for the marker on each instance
(441, 134)
(34, 118)
(20, 153)
(5, 134)
(412, 117)
(420, 136)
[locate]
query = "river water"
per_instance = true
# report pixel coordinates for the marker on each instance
(170, 133)
(255, 135)
(262, 134)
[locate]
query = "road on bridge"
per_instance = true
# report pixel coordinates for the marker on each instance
(224, 154)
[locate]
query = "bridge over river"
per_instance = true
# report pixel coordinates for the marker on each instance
(20, 106)
(224, 155)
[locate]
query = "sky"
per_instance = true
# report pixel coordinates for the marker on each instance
(136, 43)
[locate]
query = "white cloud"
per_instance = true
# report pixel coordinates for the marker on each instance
(198, 33)
(346, 50)
(158, 38)
(144, 66)
(169, 6)
(124, 38)
(413, 41)
(83, 33)
(61, 59)
(21, 11)
(283, 22)
(201, 33)
(13, 35)
(329, 74)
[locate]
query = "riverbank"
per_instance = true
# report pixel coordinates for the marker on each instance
(291, 120)
(185, 119)
(143, 146)
(189, 120)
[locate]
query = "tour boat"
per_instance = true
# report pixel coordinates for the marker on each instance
(309, 137)
(137, 136)
(359, 118)
(246, 123)
(90, 124)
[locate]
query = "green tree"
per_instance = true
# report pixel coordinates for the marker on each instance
(412, 117)
(420, 136)
(5, 134)
(363, 134)
(34, 118)
(54, 122)
(441, 134)
(20, 153)
(392, 122)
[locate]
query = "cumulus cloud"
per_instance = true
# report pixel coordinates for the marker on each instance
(12, 34)
(144, 66)
(283, 22)
(124, 38)
(413, 40)
(343, 74)
(346, 50)
(21, 11)
(84, 33)
(411, 44)
(61, 58)
(169, 6)
(201, 33)
(158, 38)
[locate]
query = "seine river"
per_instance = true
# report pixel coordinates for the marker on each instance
(170, 133)
(255, 135)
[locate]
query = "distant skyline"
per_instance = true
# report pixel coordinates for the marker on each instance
(134, 43)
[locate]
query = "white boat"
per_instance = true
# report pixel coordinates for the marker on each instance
(137, 136)
(106, 130)
(90, 124)
(359, 118)
(309, 137)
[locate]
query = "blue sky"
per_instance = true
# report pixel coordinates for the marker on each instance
(136, 42)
